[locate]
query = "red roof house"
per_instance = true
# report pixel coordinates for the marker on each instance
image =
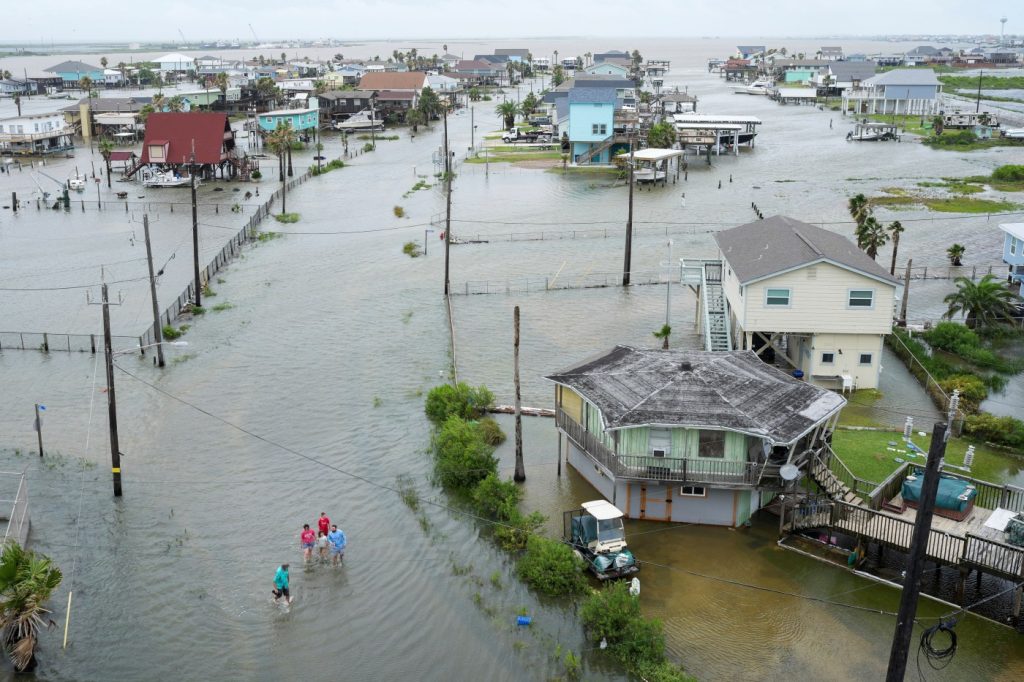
(180, 138)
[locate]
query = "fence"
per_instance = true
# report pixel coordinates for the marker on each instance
(972, 272)
(931, 386)
(526, 285)
(18, 523)
(48, 341)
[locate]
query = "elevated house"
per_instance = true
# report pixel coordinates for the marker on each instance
(751, 51)
(798, 70)
(14, 86)
(607, 68)
(200, 140)
(831, 53)
(409, 81)
(514, 54)
(175, 63)
(678, 103)
(798, 294)
(599, 122)
(72, 72)
(35, 134)
(339, 105)
(599, 57)
(1013, 251)
(302, 118)
(477, 72)
(913, 92)
(841, 76)
(690, 436)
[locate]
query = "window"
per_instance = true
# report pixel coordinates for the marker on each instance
(862, 298)
(865, 359)
(693, 491)
(776, 297)
(828, 357)
(357, 101)
(1013, 246)
(711, 444)
(658, 452)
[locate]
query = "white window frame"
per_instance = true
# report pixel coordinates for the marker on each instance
(860, 359)
(693, 488)
(849, 299)
(767, 295)
(828, 362)
(1013, 246)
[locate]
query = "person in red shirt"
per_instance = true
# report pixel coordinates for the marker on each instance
(324, 522)
(308, 539)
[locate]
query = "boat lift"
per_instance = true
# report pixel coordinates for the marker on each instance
(873, 132)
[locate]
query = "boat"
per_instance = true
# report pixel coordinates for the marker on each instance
(363, 121)
(77, 183)
(152, 177)
(758, 87)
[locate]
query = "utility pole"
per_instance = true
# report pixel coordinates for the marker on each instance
(39, 426)
(472, 129)
(157, 331)
(915, 563)
(520, 474)
(195, 232)
(448, 202)
(108, 352)
(906, 294)
(977, 106)
(373, 123)
(627, 265)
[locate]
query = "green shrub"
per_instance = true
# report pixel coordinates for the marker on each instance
(550, 567)
(491, 431)
(613, 614)
(170, 333)
(327, 167)
(368, 147)
(972, 390)
(398, 211)
(1007, 431)
(497, 499)
(461, 400)
(412, 249)
(961, 138)
(514, 535)
(1009, 173)
(287, 217)
(463, 458)
(256, 175)
(949, 335)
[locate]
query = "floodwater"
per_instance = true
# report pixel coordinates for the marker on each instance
(315, 376)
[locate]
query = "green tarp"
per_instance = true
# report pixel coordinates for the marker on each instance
(953, 493)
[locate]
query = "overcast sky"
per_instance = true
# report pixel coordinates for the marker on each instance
(64, 20)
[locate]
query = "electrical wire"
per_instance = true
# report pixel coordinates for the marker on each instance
(77, 286)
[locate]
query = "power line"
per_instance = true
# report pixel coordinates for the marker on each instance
(76, 286)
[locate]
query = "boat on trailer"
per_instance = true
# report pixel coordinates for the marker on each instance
(363, 121)
(154, 177)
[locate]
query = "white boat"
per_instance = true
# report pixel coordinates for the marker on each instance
(758, 87)
(77, 183)
(363, 121)
(152, 177)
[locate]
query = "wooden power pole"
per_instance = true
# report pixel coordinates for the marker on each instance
(520, 473)
(915, 562)
(906, 295)
(108, 352)
(157, 331)
(448, 202)
(39, 427)
(195, 236)
(628, 263)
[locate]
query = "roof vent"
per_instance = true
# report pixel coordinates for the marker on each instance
(686, 367)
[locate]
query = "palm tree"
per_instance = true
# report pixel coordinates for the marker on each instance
(27, 580)
(106, 148)
(508, 110)
(859, 209)
(17, 102)
(414, 118)
(955, 254)
(871, 236)
(280, 142)
(222, 81)
(895, 230)
(176, 103)
(663, 334)
(985, 303)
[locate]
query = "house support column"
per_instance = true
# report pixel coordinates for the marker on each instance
(1017, 594)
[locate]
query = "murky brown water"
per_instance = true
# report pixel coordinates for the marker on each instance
(329, 345)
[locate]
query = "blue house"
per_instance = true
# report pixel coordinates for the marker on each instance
(591, 124)
(306, 118)
(1013, 250)
(73, 72)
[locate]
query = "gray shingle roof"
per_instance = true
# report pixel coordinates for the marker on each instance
(766, 247)
(905, 77)
(730, 390)
(592, 95)
(73, 67)
(846, 71)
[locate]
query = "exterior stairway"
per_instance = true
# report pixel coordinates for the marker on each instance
(717, 335)
(830, 483)
(606, 144)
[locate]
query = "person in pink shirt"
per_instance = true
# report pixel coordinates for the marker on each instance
(307, 538)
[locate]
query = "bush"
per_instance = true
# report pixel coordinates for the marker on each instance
(327, 167)
(949, 335)
(398, 211)
(514, 535)
(1009, 173)
(287, 217)
(1007, 431)
(491, 431)
(368, 147)
(961, 138)
(972, 390)
(412, 249)
(613, 614)
(463, 458)
(170, 333)
(497, 499)
(256, 175)
(461, 400)
(551, 567)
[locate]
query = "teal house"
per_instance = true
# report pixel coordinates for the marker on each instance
(306, 118)
(73, 72)
(591, 124)
(799, 75)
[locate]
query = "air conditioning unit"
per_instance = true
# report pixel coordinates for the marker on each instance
(658, 452)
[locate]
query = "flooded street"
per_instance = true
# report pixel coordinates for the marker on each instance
(306, 393)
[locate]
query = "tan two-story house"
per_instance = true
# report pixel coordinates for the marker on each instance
(810, 295)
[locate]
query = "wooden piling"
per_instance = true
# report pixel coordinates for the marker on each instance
(520, 473)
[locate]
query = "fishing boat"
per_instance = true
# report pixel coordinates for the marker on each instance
(152, 177)
(364, 121)
(758, 87)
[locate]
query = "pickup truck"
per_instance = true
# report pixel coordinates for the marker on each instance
(518, 135)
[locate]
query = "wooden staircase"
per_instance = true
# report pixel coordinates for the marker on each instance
(830, 483)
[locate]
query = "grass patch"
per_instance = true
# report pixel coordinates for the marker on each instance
(966, 141)
(386, 138)
(901, 198)
(197, 310)
(333, 164)
(866, 453)
(268, 236)
(858, 411)
(517, 156)
(987, 82)
(208, 292)
(412, 249)
(170, 333)
(221, 307)
(954, 186)
(910, 124)
(421, 184)
(287, 217)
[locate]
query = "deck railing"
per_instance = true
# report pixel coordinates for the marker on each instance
(645, 467)
(859, 486)
(890, 487)
(18, 520)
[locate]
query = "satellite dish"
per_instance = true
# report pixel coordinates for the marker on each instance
(789, 472)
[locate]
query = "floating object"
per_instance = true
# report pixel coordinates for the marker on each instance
(892, 443)
(523, 621)
(634, 587)
(898, 460)
(604, 643)
(922, 434)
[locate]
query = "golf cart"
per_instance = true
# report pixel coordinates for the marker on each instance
(596, 535)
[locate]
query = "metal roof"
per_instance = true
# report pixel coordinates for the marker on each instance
(714, 118)
(202, 131)
(778, 244)
(852, 70)
(904, 77)
(729, 391)
(1014, 229)
(73, 67)
(602, 510)
(592, 96)
(393, 80)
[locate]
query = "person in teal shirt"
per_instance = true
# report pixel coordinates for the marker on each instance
(338, 542)
(281, 584)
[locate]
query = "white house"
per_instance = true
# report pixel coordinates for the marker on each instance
(844, 75)
(441, 83)
(175, 62)
(35, 134)
(808, 295)
(112, 77)
(901, 91)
